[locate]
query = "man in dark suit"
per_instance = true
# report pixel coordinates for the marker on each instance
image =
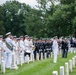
(63, 47)
(36, 48)
(64, 43)
(66, 48)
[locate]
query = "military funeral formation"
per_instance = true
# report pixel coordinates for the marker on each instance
(17, 51)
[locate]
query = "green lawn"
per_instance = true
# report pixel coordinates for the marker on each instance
(42, 67)
(74, 72)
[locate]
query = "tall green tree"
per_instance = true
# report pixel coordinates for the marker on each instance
(2, 29)
(49, 19)
(61, 22)
(14, 18)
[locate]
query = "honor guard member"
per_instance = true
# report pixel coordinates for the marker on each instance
(49, 48)
(5, 53)
(36, 48)
(10, 46)
(2, 49)
(55, 48)
(18, 50)
(27, 45)
(34, 42)
(43, 42)
(32, 47)
(41, 48)
(46, 47)
(15, 48)
(9, 41)
(14, 41)
(22, 47)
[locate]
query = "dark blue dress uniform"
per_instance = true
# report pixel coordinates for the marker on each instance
(42, 46)
(75, 44)
(36, 49)
(48, 48)
(41, 49)
(64, 49)
(71, 42)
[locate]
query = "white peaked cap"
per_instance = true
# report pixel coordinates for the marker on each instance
(52, 39)
(8, 33)
(14, 36)
(21, 36)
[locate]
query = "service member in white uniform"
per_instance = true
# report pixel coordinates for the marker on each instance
(55, 49)
(22, 48)
(2, 49)
(27, 45)
(18, 50)
(15, 48)
(6, 53)
(9, 41)
(32, 47)
(10, 46)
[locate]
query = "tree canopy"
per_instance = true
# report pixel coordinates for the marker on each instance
(51, 18)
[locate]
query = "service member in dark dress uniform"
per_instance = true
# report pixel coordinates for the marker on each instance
(36, 48)
(63, 47)
(41, 48)
(66, 48)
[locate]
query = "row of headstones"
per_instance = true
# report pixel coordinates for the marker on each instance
(68, 67)
(37, 57)
(14, 65)
(72, 50)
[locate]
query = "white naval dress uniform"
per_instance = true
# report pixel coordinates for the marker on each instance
(22, 48)
(7, 54)
(31, 49)
(18, 52)
(9, 41)
(27, 46)
(2, 53)
(15, 50)
(55, 50)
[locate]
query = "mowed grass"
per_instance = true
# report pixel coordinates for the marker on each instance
(74, 72)
(42, 67)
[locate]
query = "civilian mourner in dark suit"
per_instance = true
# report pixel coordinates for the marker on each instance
(75, 43)
(64, 48)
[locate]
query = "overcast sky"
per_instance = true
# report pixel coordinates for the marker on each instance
(30, 2)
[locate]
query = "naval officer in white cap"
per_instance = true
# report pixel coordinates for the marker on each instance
(10, 46)
(27, 45)
(2, 49)
(9, 41)
(22, 48)
(6, 53)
